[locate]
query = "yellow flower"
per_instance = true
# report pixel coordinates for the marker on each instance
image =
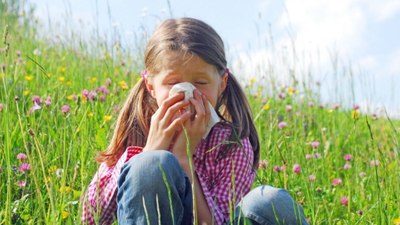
(121, 83)
(70, 97)
(90, 114)
(48, 179)
(1, 75)
(396, 221)
(52, 169)
(93, 79)
(62, 69)
(69, 83)
(29, 77)
(65, 189)
(124, 87)
(61, 79)
(64, 214)
(291, 91)
(107, 118)
(26, 92)
(266, 107)
(355, 114)
(252, 81)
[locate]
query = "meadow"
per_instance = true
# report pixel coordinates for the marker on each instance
(59, 103)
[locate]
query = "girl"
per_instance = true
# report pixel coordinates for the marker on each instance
(160, 167)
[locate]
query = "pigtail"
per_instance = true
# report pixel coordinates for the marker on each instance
(236, 110)
(132, 125)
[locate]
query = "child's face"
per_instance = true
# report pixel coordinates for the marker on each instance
(175, 68)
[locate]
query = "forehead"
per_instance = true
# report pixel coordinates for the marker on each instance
(178, 61)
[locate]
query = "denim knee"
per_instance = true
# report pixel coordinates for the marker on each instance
(269, 205)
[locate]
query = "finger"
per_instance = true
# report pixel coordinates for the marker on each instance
(168, 103)
(174, 110)
(199, 107)
(177, 123)
(206, 108)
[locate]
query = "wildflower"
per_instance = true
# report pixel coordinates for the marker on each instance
(355, 114)
(28, 77)
(107, 118)
(102, 98)
(65, 189)
(336, 106)
(37, 99)
(282, 125)
(37, 52)
(374, 116)
(21, 156)
(396, 221)
(34, 108)
(291, 90)
(47, 102)
(125, 87)
(263, 164)
(347, 157)
(315, 144)
(65, 109)
(344, 200)
(356, 107)
(1, 107)
(85, 93)
(108, 82)
(90, 114)
(347, 166)
(68, 83)
(336, 182)
(296, 169)
(362, 174)
(309, 156)
(93, 79)
(18, 53)
(311, 178)
(104, 90)
(360, 212)
(59, 172)
(21, 183)
(282, 96)
(266, 107)
(288, 108)
(61, 79)
(62, 69)
(317, 155)
(318, 189)
(64, 214)
(277, 168)
(374, 162)
(3, 66)
(92, 95)
(311, 104)
(24, 167)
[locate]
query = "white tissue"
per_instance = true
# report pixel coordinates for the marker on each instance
(188, 89)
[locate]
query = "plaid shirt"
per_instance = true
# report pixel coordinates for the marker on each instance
(215, 174)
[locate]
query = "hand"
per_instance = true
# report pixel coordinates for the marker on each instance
(166, 121)
(195, 128)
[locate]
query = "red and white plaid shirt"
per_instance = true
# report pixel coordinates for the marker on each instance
(215, 173)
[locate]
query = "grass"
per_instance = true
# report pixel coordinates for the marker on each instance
(61, 143)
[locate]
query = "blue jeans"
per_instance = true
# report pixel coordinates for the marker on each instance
(153, 189)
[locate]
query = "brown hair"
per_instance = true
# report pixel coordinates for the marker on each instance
(188, 36)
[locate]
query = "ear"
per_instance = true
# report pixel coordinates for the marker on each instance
(224, 82)
(149, 86)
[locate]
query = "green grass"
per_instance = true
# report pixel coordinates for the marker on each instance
(61, 146)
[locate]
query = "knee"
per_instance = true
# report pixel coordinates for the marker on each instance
(150, 168)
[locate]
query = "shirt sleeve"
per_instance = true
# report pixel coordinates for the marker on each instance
(99, 203)
(230, 178)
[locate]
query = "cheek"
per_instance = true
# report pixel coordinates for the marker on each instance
(161, 95)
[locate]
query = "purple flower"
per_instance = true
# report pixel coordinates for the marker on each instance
(3, 66)
(1, 107)
(282, 125)
(103, 89)
(85, 93)
(356, 107)
(344, 200)
(311, 104)
(102, 98)
(347, 166)
(21, 156)
(309, 156)
(91, 96)
(47, 102)
(21, 183)
(282, 96)
(347, 157)
(362, 174)
(36, 99)
(336, 182)
(34, 108)
(65, 109)
(311, 178)
(277, 168)
(24, 167)
(296, 168)
(315, 144)
(317, 155)
(288, 108)
(108, 81)
(263, 164)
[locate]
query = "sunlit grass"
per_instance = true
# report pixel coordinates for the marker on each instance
(58, 105)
